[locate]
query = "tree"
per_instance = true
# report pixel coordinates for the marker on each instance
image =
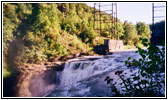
(120, 31)
(130, 33)
(87, 36)
(143, 30)
(158, 35)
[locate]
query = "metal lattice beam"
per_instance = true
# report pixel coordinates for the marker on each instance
(98, 15)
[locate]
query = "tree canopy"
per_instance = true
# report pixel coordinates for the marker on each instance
(38, 32)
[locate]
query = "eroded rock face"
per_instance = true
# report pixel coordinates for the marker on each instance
(36, 80)
(42, 83)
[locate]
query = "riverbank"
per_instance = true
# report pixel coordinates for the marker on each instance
(32, 75)
(32, 79)
(84, 76)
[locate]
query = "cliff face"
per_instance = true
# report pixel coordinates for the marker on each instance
(37, 80)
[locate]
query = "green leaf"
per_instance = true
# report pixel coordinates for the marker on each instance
(143, 74)
(126, 62)
(145, 44)
(136, 78)
(129, 58)
(144, 40)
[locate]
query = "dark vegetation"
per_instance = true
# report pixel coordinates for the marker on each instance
(158, 35)
(9, 86)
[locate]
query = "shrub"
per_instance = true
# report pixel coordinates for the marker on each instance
(149, 79)
(31, 54)
(87, 36)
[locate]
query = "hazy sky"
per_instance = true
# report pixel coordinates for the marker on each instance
(135, 12)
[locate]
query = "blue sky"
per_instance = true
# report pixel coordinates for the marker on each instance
(134, 12)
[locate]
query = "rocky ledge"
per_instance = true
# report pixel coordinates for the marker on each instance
(37, 79)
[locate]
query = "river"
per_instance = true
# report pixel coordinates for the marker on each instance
(84, 76)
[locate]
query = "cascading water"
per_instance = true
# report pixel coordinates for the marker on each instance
(79, 70)
(85, 76)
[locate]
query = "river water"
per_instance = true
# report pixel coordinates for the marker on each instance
(84, 76)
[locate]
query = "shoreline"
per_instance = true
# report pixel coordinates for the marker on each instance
(33, 69)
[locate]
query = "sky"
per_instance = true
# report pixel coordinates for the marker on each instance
(135, 12)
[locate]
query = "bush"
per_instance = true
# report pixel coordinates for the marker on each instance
(149, 79)
(31, 54)
(60, 49)
(87, 36)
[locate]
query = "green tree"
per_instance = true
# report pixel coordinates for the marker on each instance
(143, 30)
(49, 30)
(120, 31)
(87, 36)
(130, 33)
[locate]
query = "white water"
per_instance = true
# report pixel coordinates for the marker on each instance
(80, 69)
(84, 77)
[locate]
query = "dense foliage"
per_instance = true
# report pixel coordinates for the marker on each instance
(130, 34)
(38, 32)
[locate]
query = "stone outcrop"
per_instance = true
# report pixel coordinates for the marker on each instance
(36, 80)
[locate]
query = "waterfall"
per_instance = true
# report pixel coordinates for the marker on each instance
(85, 76)
(78, 70)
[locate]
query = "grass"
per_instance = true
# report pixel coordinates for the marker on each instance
(129, 47)
(133, 47)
